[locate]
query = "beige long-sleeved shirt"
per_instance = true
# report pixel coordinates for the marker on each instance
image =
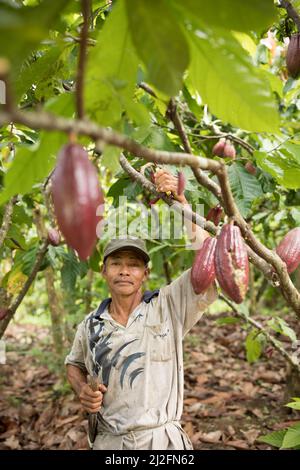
(142, 366)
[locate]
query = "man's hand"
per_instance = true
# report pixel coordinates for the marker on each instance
(165, 181)
(91, 401)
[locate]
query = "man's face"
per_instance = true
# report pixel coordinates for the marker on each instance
(124, 272)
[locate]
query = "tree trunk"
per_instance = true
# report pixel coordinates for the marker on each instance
(55, 307)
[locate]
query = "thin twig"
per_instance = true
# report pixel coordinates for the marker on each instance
(85, 5)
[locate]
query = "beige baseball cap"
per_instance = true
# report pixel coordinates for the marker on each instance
(131, 243)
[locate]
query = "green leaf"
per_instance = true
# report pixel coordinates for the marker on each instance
(33, 164)
(51, 63)
(111, 70)
(22, 29)
(223, 74)
(16, 238)
(295, 405)
(253, 346)
(282, 165)
(110, 158)
(228, 321)
(256, 15)
(280, 326)
(244, 186)
(159, 42)
(72, 268)
(292, 437)
(274, 438)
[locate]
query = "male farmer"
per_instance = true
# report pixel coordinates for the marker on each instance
(133, 343)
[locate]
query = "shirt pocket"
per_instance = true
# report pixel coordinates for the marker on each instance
(159, 342)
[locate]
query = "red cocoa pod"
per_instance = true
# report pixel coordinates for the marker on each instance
(215, 214)
(76, 196)
(231, 263)
(218, 148)
(203, 269)
(250, 168)
(3, 313)
(289, 249)
(180, 183)
(53, 237)
(229, 150)
(293, 56)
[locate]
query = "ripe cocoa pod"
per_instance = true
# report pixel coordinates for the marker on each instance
(250, 168)
(3, 313)
(289, 249)
(293, 56)
(215, 214)
(231, 263)
(53, 237)
(180, 183)
(203, 269)
(229, 150)
(218, 148)
(76, 196)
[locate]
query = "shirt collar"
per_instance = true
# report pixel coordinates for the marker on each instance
(147, 297)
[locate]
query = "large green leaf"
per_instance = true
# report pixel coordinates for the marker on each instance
(34, 163)
(274, 438)
(256, 15)
(244, 186)
(112, 70)
(22, 29)
(283, 165)
(159, 43)
(51, 63)
(223, 74)
(292, 437)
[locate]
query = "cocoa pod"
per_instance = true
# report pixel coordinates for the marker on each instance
(250, 168)
(218, 148)
(293, 56)
(289, 249)
(180, 183)
(3, 313)
(231, 263)
(215, 214)
(53, 237)
(76, 196)
(229, 150)
(203, 269)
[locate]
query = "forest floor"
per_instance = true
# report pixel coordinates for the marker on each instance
(228, 403)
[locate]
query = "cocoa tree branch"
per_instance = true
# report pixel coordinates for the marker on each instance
(46, 121)
(189, 214)
(173, 115)
(200, 176)
(8, 211)
(12, 309)
(291, 359)
(291, 12)
(85, 7)
(148, 186)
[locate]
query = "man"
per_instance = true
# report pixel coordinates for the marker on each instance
(133, 343)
